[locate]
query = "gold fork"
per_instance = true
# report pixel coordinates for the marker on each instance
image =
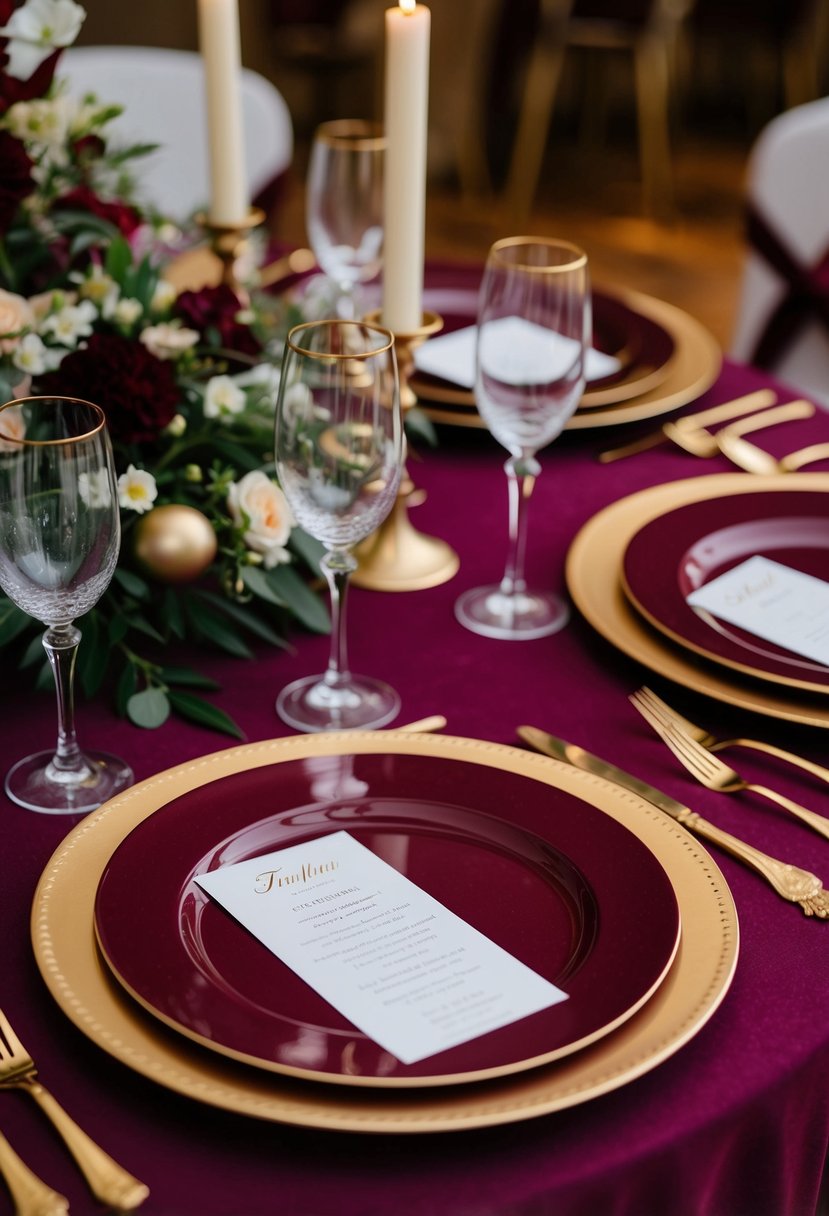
(31, 1196)
(668, 714)
(107, 1180)
(711, 772)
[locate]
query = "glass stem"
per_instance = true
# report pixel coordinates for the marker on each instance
(61, 645)
(337, 566)
(521, 472)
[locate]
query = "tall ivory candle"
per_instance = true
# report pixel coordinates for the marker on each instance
(407, 106)
(219, 40)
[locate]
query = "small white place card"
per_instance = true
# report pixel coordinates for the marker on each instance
(405, 970)
(774, 602)
(544, 354)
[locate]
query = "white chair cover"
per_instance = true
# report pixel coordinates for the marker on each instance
(163, 94)
(788, 189)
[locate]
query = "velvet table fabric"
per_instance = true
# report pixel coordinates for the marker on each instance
(734, 1124)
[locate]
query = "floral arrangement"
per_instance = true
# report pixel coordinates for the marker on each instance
(187, 380)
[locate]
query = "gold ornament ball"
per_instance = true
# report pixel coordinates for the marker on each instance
(175, 543)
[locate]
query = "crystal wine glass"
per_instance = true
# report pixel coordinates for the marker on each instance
(344, 205)
(59, 540)
(534, 327)
(339, 454)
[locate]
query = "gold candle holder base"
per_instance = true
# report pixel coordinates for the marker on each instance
(228, 242)
(397, 557)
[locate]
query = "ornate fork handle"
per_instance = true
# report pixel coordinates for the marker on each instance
(808, 766)
(798, 886)
(819, 822)
(31, 1196)
(107, 1180)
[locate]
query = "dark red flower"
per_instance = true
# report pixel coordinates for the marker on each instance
(136, 390)
(215, 309)
(12, 90)
(16, 181)
(125, 218)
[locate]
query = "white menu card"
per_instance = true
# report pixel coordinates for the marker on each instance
(405, 970)
(774, 602)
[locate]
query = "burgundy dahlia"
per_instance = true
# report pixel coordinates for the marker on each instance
(16, 181)
(136, 390)
(125, 218)
(214, 310)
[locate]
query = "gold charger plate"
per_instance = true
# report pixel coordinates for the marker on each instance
(694, 367)
(593, 574)
(64, 946)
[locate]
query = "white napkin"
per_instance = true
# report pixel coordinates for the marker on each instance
(543, 354)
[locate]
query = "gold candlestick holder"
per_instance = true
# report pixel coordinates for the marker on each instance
(397, 557)
(228, 242)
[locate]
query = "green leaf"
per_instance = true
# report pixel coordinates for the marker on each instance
(141, 625)
(204, 714)
(173, 614)
(118, 258)
(13, 622)
(238, 456)
(93, 654)
(149, 708)
(420, 426)
(117, 629)
(33, 653)
(215, 629)
(45, 680)
(309, 549)
(256, 580)
(243, 617)
(188, 678)
(303, 602)
(131, 583)
(126, 688)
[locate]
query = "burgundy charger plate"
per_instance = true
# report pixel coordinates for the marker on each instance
(689, 546)
(567, 890)
(643, 347)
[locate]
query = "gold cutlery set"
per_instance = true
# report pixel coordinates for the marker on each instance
(694, 748)
(742, 416)
(107, 1181)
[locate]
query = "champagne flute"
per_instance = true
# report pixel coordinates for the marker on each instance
(344, 205)
(59, 540)
(339, 455)
(534, 327)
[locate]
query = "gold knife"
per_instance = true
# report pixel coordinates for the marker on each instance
(689, 431)
(792, 883)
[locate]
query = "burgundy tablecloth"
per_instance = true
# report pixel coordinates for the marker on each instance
(735, 1124)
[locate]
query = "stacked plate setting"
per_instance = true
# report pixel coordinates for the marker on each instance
(597, 891)
(665, 358)
(632, 565)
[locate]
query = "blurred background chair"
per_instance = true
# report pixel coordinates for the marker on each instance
(648, 30)
(783, 311)
(163, 95)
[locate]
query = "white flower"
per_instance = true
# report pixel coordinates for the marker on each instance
(95, 285)
(13, 426)
(257, 504)
(168, 341)
(36, 29)
(32, 356)
(176, 427)
(137, 490)
(15, 316)
(164, 296)
(71, 323)
(123, 311)
(43, 121)
(223, 398)
(94, 488)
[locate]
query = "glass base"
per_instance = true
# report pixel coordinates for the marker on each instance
(312, 704)
(30, 784)
(494, 614)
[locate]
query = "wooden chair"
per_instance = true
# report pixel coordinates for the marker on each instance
(646, 29)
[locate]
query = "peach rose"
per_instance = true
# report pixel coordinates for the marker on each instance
(15, 316)
(258, 504)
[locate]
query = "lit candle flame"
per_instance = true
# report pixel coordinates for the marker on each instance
(408, 6)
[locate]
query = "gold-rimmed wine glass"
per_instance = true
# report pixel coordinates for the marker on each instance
(344, 206)
(339, 455)
(534, 330)
(59, 542)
